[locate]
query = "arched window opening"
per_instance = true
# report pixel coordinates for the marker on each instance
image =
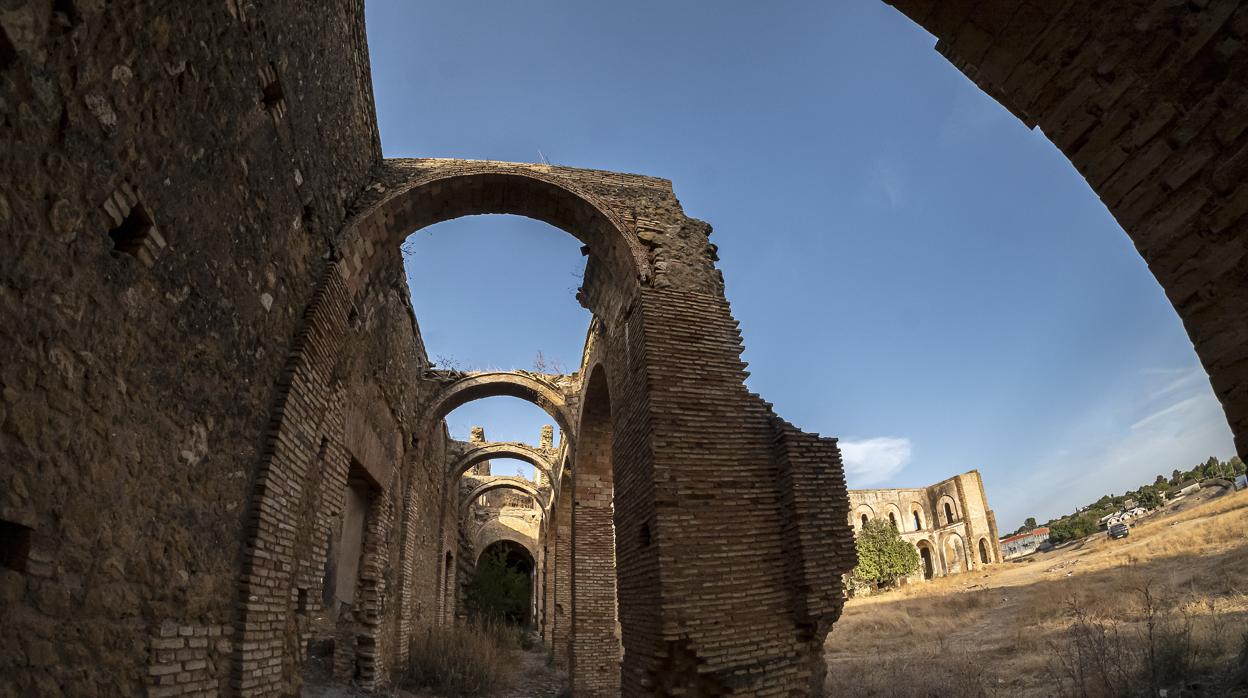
(983, 551)
(918, 524)
(892, 519)
(948, 513)
(864, 520)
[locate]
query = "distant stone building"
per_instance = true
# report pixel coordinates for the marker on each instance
(949, 523)
(1023, 543)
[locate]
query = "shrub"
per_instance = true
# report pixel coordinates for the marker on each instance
(1172, 650)
(465, 659)
(497, 592)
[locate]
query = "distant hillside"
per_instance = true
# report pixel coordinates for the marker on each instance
(1086, 520)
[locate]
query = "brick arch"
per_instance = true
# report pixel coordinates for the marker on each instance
(530, 387)
(481, 452)
(428, 191)
(597, 605)
(504, 482)
(1147, 103)
(524, 542)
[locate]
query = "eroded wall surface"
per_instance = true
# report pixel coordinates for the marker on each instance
(136, 397)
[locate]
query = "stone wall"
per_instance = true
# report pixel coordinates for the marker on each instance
(972, 522)
(171, 175)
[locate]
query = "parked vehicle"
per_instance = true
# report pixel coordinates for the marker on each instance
(1119, 530)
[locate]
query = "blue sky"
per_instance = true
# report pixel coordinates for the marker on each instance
(915, 272)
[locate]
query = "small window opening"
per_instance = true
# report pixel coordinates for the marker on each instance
(864, 520)
(948, 513)
(645, 535)
(892, 519)
(302, 605)
(918, 524)
(14, 545)
(271, 94)
(132, 235)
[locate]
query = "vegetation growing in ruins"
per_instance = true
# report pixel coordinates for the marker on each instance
(462, 659)
(883, 557)
(497, 592)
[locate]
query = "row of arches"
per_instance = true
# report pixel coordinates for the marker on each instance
(916, 517)
(949, 555)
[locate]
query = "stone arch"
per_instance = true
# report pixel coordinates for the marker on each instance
(893, 513)
(927, 558)
(480, 452)
(985, 552)
(422, 192)
(947, 510)
(521, 556)
(1160, 142)
(862, 514)
(504, 482)
(918, 516)
(462, 388)
(954, 552)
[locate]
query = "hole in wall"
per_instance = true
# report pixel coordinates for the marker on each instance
(14, 545)
(65, 14)
(301, 605)
(272, 95)
(8, 52)
(645, 535)
(132, 234)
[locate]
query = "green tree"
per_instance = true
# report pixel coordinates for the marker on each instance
(1149, 499)
(883, 557)
(1160, 481)
(497, 591)
(1237, 465)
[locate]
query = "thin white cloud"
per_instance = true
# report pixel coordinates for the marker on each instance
(871, 461)
(1181, 379)
(1174, 413)
(888, 181)
(1177, 422)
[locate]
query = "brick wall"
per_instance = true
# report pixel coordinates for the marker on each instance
(595, 663)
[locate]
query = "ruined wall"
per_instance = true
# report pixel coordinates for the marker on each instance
(1150, 102)
(220, 146)
(973, 520)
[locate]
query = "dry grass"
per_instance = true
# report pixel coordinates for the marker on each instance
(1017, 627)
(464, 659)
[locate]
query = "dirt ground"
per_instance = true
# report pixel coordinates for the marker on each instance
(1008, 629)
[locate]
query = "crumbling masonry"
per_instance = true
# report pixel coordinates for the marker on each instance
(220, 435)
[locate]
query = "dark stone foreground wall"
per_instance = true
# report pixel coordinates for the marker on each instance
(240, 131)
